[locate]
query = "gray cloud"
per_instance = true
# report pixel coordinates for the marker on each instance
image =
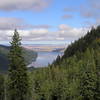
(68, 9)
(11, 5)
(91, 9)
(95, 4)
(88, 11)
(66, 16)
(12, 23)
(44, 26)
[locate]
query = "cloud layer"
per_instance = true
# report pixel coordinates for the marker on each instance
(29, 32)
(64, 33)
(87, 11)
(91, 11)
(10, 23)
(13, 23)
(12, 5)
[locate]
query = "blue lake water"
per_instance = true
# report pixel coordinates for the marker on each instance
(45, 58)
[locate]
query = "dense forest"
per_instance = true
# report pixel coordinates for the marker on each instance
(74, 76)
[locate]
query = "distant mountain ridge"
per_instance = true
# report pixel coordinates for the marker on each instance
(46, 48)
(29, 56)
(59, 50)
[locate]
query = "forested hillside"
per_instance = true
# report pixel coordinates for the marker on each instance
(74, 76)
(83, 43)
(90, 40)
(4, 50)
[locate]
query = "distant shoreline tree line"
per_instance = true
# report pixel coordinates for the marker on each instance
(74, 76)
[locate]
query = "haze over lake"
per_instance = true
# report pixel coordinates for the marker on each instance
(46, 53)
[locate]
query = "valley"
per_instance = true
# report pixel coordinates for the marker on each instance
(46, 54)
(46, 47)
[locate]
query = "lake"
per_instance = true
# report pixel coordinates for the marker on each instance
(45, 58)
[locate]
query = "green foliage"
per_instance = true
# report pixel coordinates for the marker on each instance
(2, 87)
(18, 78)
(75, 76)
(76, 81)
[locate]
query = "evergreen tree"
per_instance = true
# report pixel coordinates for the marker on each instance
(18, 78)
(88, 77)
(1, 87)
(97, 59)
(57, 61)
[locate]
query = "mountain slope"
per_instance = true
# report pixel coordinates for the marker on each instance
(90, 40)
(83, 43)
(75, 75)
(28, 55)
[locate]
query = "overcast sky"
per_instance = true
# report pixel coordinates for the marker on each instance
(48, 21)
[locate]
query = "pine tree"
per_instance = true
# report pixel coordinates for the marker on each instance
(88, 77)
(18, 78)
(1, 87)
(97, 59)
(57, 61)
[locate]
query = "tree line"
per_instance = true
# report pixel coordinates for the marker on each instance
(74, 76)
